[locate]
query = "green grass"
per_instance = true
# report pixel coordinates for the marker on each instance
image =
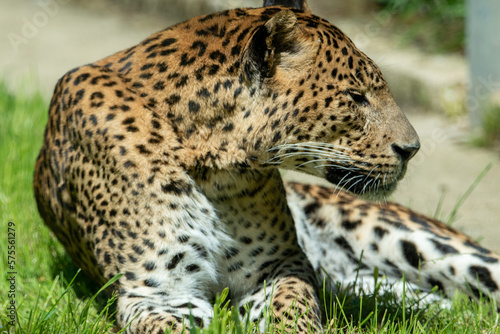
(53, 297)
(453, 215)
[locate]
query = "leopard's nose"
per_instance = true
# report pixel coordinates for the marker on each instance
(406, 152)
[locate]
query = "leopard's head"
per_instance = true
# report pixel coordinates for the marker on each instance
(321, 106)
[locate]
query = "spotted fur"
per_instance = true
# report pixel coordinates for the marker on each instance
(346, 238)
(161, 162)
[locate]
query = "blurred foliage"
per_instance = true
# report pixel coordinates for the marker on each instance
(490, 130)
(177, 10)
(433, 25)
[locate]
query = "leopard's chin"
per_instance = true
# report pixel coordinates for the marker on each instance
(369, 186)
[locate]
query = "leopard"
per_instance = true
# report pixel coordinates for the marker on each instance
(161, 163)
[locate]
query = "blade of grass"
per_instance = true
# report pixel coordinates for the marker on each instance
(453, 215)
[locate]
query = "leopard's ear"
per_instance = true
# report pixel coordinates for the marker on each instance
(297, 4)
(268, 44)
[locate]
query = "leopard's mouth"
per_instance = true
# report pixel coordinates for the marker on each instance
(368, 184)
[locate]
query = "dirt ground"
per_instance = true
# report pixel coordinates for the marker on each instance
(40, 43)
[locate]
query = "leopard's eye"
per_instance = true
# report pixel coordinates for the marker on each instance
(358, 98)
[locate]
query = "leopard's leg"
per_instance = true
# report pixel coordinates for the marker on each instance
(348, 237)
(177, 276)
(265, 268)
(285, 296)
(107, 185)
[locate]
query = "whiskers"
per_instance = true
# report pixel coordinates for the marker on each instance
(365, 185)
(313, 152)
(337, 167)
